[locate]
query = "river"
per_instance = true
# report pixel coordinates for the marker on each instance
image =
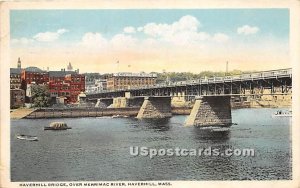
(97, 149)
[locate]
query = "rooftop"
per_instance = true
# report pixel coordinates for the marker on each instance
(15, 71)
(60, 73)
(129, 74)
(33, 69)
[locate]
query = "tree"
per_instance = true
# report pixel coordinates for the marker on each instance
(183, 76)
(40, 96)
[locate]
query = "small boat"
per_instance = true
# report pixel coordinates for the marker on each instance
(281, 113)
(116, 116)
(27, 137)
(119, 116)
(57, 126)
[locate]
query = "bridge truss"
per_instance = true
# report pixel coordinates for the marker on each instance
(272, 82)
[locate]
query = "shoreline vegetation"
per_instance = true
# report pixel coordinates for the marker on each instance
(184, 76)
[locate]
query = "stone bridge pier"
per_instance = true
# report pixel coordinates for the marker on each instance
(155, 107)
(210, 111)
(104, 102)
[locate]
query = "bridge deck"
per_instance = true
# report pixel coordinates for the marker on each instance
(243, 78)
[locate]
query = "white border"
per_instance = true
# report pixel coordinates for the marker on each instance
(292, 5)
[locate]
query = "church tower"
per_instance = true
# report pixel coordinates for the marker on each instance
(19, 63)
(70, 67)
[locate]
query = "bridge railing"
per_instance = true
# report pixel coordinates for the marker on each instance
(249, 76)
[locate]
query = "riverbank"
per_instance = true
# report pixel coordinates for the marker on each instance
(21, 113)
(128, 111)
(94, 112)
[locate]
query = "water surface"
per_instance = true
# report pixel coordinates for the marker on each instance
(97, 149)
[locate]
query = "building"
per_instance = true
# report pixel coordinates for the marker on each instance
(66, 85)
(101, 84)
(17, 98)
(95, 82)
(77, 85)
(34, 74)
(98, 86)
(130, 80)
(15, 78)
(19, 63)
(58, 76)
(69, 67)
(90, 79)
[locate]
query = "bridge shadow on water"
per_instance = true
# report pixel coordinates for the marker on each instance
(215, 134)
(155, 124)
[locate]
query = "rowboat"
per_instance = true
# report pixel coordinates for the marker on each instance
(27, 137)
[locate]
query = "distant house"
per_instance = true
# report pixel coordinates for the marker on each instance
(17, 98)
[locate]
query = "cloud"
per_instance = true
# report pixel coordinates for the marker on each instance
(185, 31)
(49, 36)
(157, 36)
(22, 41)
(129, 30)
(184, 24)
(123, 41)
(140, 29)
(94, 40)
(62, 31)
(220, 37)
(247, 30)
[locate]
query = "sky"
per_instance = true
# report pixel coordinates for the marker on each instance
(135, 40)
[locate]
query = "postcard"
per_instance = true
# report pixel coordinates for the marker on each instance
(150, 94)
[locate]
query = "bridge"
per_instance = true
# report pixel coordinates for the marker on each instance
(254, 83)
(212, 105)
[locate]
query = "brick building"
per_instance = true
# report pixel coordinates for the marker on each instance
(130, 80)
(66, 85)
(34, 74)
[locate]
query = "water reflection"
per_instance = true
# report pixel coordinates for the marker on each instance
(212, 134)
(155, 124)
